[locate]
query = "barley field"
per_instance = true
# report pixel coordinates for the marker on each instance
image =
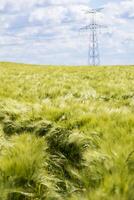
(66, 133)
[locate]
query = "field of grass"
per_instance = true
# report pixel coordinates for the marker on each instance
(66, 133)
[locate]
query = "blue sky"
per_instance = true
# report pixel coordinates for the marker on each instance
(47, 31)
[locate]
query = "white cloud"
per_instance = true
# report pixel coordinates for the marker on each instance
(43, 15)
(30, 24)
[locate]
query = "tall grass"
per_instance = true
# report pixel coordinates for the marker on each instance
(66, 133)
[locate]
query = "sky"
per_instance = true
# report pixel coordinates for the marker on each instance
(48, 31)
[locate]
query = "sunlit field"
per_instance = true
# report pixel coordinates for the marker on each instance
(66, 133)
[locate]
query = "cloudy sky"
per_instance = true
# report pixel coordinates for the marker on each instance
(48, 31)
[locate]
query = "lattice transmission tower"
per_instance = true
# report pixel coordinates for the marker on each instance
(93, 27)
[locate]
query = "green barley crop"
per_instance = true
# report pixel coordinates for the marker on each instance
(66, 132)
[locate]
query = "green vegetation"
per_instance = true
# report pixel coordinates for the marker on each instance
(66, 133)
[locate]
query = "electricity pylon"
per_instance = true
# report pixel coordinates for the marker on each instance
(93, 54)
